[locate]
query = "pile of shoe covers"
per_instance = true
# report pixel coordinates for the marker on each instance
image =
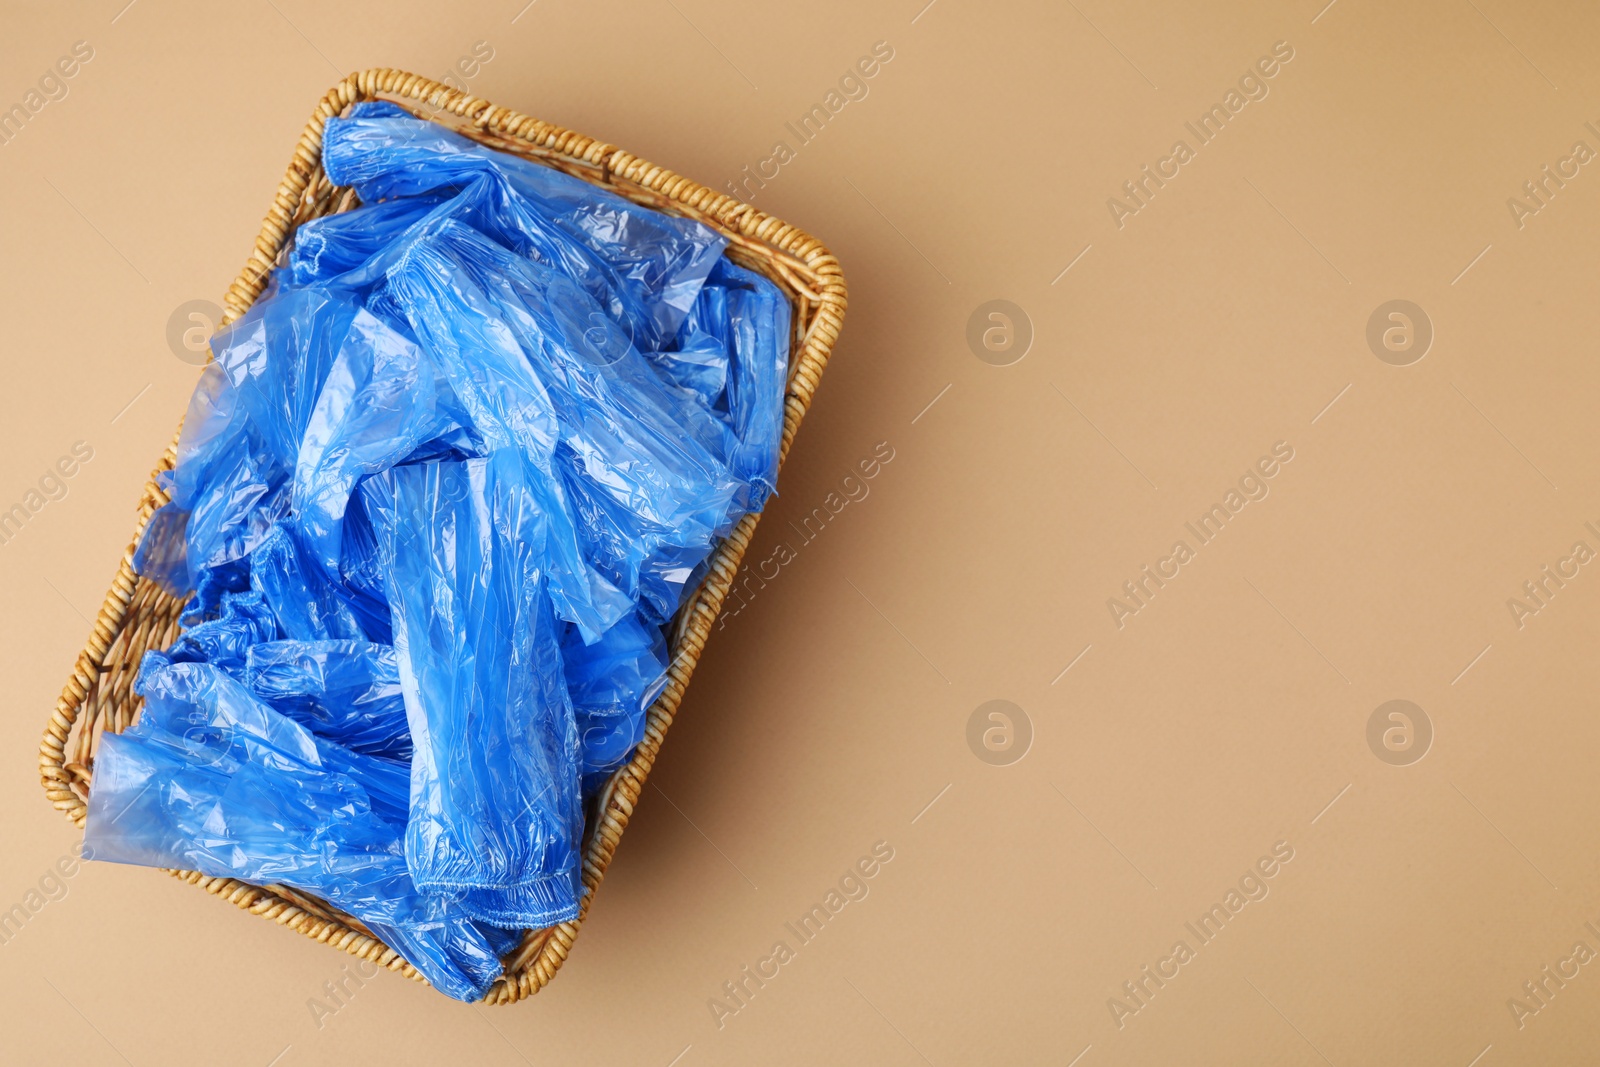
(435, 499)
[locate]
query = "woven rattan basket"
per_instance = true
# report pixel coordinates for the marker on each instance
(137, 616)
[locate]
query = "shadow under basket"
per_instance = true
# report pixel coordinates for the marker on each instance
(137, 616)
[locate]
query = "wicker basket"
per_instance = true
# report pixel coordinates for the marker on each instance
(138, 616)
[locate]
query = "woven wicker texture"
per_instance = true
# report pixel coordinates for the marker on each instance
(137, 616)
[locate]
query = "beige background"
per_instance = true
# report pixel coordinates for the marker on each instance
(1228, 715)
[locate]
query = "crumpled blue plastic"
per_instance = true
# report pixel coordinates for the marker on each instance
(435, 500)
(496, 815)
(345, 691)
(652, 265)
(612, 684)
(212, 780)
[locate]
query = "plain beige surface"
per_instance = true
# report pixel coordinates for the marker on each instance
(1225, 719)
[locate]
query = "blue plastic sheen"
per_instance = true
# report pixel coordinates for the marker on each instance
(612, 683)
(496, 815)
(656, 263)
(345, 691)
(435, 500)
(212, 780)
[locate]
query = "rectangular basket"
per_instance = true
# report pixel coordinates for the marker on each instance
(138, 616)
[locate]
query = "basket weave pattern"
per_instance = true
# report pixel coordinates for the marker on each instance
(137, 616)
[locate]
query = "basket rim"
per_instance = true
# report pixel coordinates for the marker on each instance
(798, 262)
